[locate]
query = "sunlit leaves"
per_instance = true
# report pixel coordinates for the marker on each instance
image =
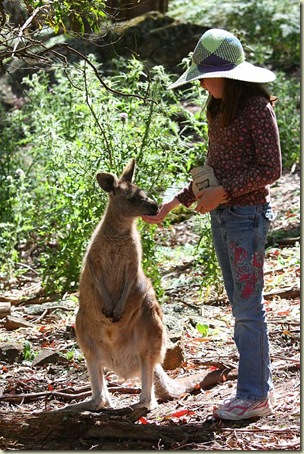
(81, 16)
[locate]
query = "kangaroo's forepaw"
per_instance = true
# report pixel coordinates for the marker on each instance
(107, 313)
(112, 316)
(116, 317)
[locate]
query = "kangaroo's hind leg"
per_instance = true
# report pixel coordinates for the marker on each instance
(147, 397)
(100, 394)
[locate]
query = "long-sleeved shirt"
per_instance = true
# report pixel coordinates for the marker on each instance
(245, 156)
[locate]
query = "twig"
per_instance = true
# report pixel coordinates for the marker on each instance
(96, 119)
(275, 270)
(289, 241)
(219, 364)
(194, 306)
(41, 316)
(111, 90)
(25, 25)
(49, 309)
(35, 300)
(178, 268)
(258, 429)
(33, 396)
(285, 358)
(285, 322)
(63, 395)
(291, 292)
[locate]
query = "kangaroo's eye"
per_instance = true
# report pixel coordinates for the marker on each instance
(132, 199)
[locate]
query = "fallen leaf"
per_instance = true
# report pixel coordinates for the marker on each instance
(179, 414)
(143, 420)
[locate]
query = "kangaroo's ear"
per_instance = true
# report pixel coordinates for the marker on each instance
(106, 181)
(128, 172)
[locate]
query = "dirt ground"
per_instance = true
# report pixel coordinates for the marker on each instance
(32, 385)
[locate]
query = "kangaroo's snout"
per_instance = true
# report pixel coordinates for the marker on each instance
(152, 208)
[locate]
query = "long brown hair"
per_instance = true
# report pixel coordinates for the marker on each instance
(236, 92)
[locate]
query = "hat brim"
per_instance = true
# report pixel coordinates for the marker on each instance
(245, 71)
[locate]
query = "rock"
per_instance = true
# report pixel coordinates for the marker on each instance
(13, 323)
(173, 323)
(5, 309)
(46, 356)
(175, 356)
(11, 352)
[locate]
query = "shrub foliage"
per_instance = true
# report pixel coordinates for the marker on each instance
(70, 127)
(54, 145)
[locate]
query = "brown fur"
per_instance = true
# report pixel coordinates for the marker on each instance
(119, 323)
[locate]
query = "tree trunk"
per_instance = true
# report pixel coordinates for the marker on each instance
(70, 430)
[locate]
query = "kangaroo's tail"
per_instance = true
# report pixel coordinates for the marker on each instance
(166, 388)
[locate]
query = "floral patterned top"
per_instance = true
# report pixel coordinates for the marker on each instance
(245, 156)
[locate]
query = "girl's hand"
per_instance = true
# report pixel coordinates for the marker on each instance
(164, 210)
(210, 198)
(157, 218)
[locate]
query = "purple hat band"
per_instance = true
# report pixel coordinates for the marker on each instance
(210, 69)
(215, 63)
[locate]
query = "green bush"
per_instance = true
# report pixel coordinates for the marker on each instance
(270, 29)
(287, 110)
(53, 147)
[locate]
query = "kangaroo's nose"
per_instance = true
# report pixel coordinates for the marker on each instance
(153, 208)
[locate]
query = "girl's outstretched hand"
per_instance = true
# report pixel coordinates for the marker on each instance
(164, 210)
(157, 218)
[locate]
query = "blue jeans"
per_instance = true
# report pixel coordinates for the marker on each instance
(239, 235)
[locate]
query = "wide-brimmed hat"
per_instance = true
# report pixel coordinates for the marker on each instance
(219, 53)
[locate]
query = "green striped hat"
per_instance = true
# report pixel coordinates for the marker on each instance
(218, 53)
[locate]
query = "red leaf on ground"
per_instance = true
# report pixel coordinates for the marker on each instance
(143, 420)
(180, 413)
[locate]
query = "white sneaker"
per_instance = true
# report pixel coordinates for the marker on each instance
(236, 409)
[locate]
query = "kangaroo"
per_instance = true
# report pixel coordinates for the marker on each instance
(119, 322)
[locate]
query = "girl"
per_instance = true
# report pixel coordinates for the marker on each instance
(244, 154)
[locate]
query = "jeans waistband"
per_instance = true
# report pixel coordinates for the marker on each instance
(266, 206)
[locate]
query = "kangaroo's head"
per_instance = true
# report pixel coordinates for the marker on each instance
(129, 199)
